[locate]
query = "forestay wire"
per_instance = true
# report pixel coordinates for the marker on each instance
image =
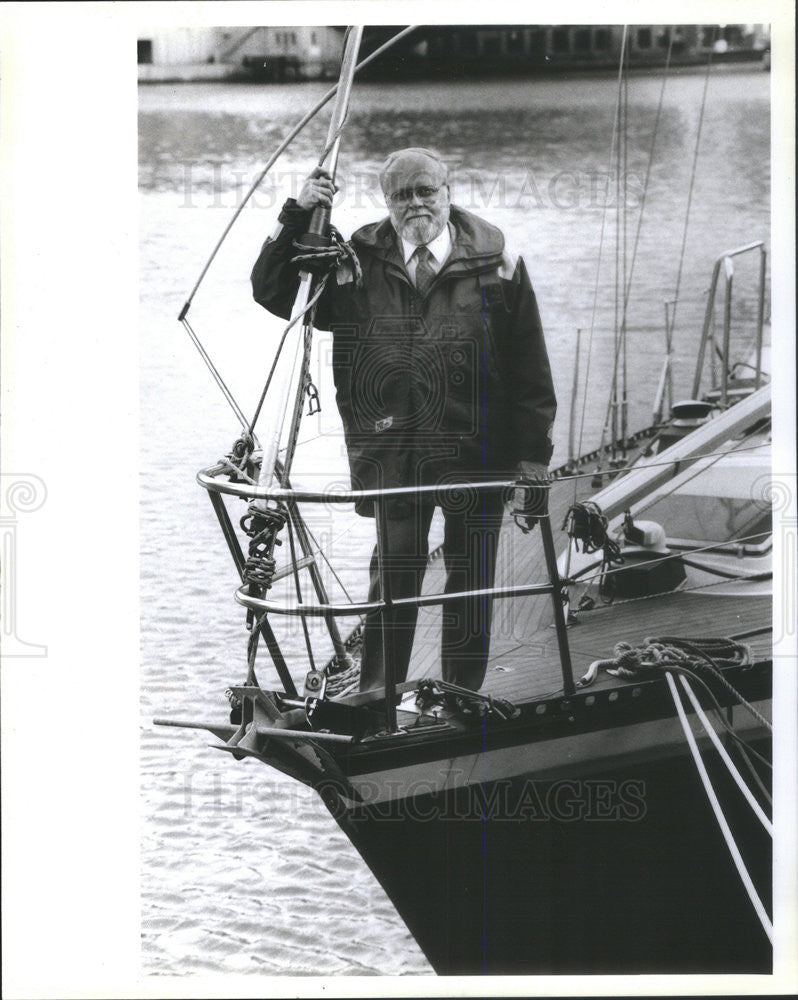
(278, 152)
(248, 425)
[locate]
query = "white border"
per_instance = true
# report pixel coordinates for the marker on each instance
(70, 415)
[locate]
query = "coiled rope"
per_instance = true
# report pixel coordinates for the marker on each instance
(330, 258)
(699, 656)
(629, 662)
(262, 526)
(585, 523)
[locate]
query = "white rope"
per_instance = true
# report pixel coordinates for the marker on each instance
(767, 926)
(710, 729)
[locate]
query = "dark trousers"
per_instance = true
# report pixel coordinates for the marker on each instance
(469, 552)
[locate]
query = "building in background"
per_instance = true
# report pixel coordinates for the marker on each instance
(284, 53)
(256, 53)
(527, 49)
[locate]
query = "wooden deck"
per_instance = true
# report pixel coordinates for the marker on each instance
(524, 663)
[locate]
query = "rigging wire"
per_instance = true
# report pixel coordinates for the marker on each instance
(691, 186)
(253, 187)
(567, 476)
(628, 283)
(323, 554)
(767, 926)
(299, 402)
(215, 373)
(299, 316)
(695, 472)
(298, 588)
(626, 280)
(601, 246)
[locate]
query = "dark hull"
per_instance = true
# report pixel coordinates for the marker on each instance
(623, 872)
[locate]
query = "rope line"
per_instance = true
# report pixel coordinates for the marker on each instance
(658, 652)
(742, 746)
(710, 731)
(696, 648)
(767, 926)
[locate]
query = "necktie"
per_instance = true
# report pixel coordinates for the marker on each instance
(424, 270)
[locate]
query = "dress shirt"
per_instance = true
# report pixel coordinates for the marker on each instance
(440, 248)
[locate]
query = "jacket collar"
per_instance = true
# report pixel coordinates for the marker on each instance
(476, 244)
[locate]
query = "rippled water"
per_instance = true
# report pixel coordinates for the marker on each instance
(242, 869)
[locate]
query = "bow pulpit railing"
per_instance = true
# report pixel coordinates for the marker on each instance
(217, 482)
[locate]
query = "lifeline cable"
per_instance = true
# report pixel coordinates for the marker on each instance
(762, 575)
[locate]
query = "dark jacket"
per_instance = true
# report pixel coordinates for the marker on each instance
(454, 387)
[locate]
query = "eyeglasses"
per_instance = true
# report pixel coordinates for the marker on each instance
(423, 193)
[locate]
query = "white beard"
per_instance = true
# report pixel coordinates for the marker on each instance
(420, 231)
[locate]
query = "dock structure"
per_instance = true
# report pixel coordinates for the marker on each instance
(306, 52)
(542, 48)
(255, 53)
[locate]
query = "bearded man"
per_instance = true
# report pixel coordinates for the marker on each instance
(441, 376)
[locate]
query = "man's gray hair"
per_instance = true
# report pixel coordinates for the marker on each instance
(411, 151)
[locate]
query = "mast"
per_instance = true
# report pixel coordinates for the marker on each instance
(302, 331)
(265, 518)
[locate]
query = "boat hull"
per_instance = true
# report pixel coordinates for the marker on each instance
(624, 871)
